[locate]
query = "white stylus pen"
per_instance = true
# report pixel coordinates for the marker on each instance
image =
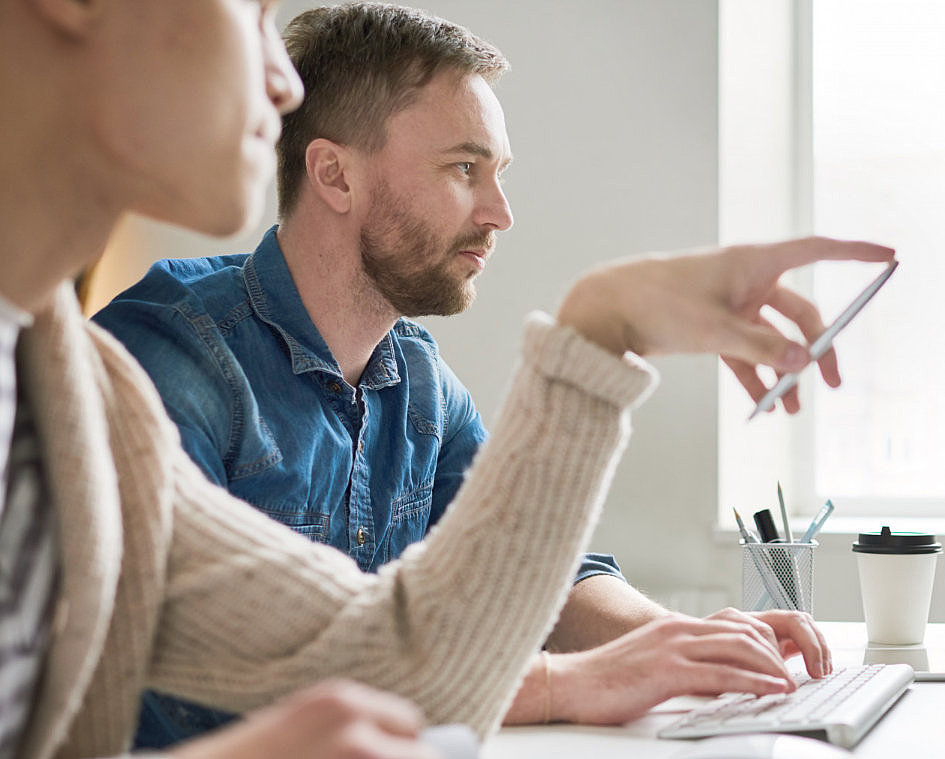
(820, 346)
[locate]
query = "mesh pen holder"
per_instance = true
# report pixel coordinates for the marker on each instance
(778, 576)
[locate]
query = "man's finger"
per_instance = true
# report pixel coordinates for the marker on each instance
(763, 630)
(740, 652)
(799, 629)
(711, 679)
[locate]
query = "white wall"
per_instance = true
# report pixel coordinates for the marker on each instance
(612, 111)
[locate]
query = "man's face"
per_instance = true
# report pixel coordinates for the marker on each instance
(191, 113)
(436, 201)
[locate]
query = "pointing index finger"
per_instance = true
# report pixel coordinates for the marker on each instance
(796, 253)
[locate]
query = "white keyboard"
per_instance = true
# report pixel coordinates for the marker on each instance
(840, 707)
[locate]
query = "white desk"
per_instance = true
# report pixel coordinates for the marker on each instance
(849, 645)
(913, 728)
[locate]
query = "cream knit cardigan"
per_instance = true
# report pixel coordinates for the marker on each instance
(170, 583)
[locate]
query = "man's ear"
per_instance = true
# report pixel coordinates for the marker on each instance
(72, 17)
(326, 165)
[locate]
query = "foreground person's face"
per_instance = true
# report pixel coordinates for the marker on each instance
(191, 114)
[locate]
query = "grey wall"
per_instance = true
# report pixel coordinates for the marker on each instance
(611, 109)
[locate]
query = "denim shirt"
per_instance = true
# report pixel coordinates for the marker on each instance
(264, 410)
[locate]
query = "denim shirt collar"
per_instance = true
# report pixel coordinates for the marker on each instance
(276, 301)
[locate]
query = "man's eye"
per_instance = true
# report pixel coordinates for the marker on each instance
(464, 166)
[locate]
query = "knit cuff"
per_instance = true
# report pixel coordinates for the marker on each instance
(560, 353)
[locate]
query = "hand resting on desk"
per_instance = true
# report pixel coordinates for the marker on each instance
(678, 655)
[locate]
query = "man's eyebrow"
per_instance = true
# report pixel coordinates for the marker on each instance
(478, 149)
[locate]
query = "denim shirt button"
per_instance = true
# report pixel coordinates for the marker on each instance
(359, 536)
(334, 387)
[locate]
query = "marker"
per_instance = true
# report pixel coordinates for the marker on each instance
(788, 536)
(782, 561)
(765, 524)
(820, 346)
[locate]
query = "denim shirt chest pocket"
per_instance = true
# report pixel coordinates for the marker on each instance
(409, 520)
(404, 476)
(292, 507)
(306, 522)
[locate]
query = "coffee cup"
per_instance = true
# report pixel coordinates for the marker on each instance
(896, 572)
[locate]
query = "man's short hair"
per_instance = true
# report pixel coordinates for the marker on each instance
(361, 63)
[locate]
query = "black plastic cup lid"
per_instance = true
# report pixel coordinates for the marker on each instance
(887, 541)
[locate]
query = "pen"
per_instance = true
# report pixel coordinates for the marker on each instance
(819, 347)
(789, 554)
(784, 520)
(817, 522)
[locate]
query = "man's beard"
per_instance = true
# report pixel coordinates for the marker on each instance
(409, 266)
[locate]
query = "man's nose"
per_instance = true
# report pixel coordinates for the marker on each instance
(494, 211)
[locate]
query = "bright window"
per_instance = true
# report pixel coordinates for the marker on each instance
(864, 158)
(879, 173)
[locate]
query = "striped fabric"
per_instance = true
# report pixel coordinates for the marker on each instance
(11, 321)
(28, 556)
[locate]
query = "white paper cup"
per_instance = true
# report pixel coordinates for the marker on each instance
(896, 572)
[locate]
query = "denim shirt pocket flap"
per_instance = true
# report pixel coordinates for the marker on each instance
(305, 523)
(423, 424)
(415, 503)
(251, 461)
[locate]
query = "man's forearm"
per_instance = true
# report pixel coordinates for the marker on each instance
(531, 703)
(599, 609)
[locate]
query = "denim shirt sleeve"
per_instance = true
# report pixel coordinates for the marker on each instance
(198, 381)
(462, 435)
(598, 564)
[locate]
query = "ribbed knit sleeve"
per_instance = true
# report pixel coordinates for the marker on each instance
(253, 610)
